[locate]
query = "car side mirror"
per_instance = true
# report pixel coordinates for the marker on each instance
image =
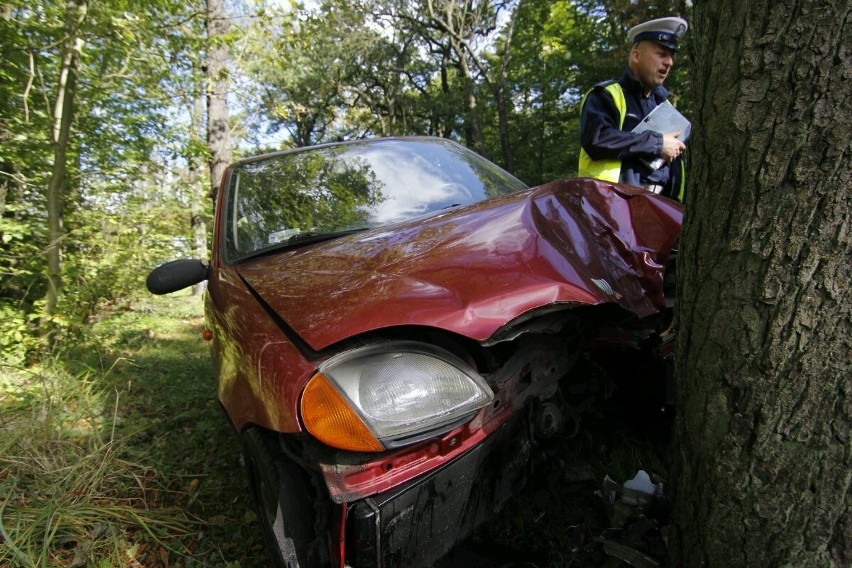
(176, 275)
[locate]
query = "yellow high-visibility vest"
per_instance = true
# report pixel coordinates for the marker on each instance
(607, 170)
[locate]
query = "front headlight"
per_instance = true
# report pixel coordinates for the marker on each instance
(384, 396)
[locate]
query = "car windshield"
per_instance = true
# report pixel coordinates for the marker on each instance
(320, 192)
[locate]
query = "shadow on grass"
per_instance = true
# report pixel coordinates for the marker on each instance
(158, 368)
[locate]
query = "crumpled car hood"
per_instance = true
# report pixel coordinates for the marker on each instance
(472, 270)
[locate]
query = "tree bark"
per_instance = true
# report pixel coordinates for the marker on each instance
(218, 128)
(762, 448)
(198, 191)
(63, 117)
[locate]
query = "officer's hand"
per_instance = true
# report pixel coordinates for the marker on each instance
(672, 147)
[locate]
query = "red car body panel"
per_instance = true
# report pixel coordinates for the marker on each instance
(472, 270)
(469, 271)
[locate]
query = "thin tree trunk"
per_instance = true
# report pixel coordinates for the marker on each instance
(199, 193)
(446, 118)
(473, 129)
(762, 441)
(63, 117)
(498, 87)
(218, 129)
(450, 19)
(500, 93)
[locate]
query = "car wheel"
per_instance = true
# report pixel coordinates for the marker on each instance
(287, 504)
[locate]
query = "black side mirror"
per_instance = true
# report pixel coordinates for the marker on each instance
(176, 275)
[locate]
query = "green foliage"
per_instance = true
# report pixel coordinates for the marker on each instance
(304, 74)
(16, 338)
(388, 67)
(117, 454)
(543, 78)
(112, 254)
(117, 236)
(20, 287)
(129, 74)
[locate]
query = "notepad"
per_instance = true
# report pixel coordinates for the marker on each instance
(664, 119)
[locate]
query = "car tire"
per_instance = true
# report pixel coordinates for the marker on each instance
(290, 512)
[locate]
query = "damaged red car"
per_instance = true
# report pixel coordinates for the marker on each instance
(396, 326)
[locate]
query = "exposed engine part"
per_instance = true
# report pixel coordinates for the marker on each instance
(548, 420)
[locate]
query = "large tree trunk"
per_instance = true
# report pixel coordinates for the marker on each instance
(63, 116)
(762, 443)
(218, 129)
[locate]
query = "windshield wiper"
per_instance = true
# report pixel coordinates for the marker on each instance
(317, 236)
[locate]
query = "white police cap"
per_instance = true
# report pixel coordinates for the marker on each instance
(665, 31)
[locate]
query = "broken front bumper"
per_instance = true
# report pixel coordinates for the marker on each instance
(417, 523)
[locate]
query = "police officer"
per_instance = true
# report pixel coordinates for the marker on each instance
(610, 151)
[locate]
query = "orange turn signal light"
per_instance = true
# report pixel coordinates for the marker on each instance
(330, 418)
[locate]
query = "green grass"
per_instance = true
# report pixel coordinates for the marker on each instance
(117, 454)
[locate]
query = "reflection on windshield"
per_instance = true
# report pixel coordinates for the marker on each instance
(329, 189)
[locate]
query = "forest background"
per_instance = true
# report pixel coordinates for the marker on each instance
(116, 121)
(118, 117)
(107, 107)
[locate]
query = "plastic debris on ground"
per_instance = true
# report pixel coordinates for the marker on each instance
(638, 511)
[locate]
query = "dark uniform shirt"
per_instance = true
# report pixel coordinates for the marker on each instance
(601, 137)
